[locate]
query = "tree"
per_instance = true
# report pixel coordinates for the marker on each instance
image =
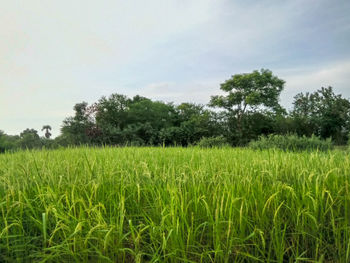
(29, 138)
(112, 111)
(249, 92)
(81, 128)
(147, 118)
(196, 122)
(47, 129)
(322, 113)
(2, 141)
(8, 142)
(111, 118)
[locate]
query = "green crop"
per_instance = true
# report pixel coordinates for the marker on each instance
(174, 205)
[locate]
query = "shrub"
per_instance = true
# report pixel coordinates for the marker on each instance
(291, 143)
(135, 143)
(213, 142)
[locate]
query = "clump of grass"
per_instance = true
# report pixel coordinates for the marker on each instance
(174, 205)
(291, 143)
(213, 142)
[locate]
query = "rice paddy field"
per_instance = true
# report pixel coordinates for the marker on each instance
(174, 205)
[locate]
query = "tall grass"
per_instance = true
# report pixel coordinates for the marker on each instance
(174, 205)
(291, 142)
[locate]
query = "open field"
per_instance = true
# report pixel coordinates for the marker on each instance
(174, 205)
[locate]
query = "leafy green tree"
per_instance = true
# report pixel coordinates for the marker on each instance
(123, 120)
(257, 124)
(322, 113)
(2, 141)
(80, 128)
(196, 122)
(113, 111)
(29, 138)
(247, 93)
(112, 118)
(147, 118)
(8, 142)
(157, 113)
(174, 136)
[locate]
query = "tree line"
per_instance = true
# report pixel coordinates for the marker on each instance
(248, 108)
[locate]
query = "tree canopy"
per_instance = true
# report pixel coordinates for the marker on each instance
(249, 93)
(322, 113)
(248, 108)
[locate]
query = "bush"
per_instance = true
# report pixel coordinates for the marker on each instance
(291, 143)
(213, 142)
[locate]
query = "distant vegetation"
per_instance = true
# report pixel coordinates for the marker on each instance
(248, 109)
(291, 143)
(213, 142)
(174, 205)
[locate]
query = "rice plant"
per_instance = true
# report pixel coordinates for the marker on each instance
(174, 205)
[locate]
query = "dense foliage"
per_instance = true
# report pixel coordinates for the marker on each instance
(291, 143)
(174, 205)
(213, 142)
(322, 113)
(249, 109)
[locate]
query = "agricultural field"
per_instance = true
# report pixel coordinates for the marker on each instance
(174, 205)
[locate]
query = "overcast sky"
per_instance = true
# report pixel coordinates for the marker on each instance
(54, 54)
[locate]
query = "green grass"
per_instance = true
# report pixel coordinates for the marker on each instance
(174, 205)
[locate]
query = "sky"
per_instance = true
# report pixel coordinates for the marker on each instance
(54, 54)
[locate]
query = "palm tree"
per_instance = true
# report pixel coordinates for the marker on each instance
(47, 128)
